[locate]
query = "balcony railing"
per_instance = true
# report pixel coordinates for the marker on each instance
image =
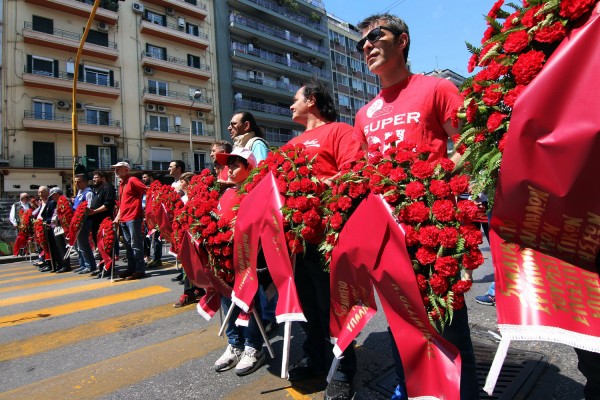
(176, 27)
(270, 5)
(67, 118)
(176, 95)
(69, 77)
(276, 58)
(59, 162)
(288, 87)
(110, 5)
(71, 35)
(278, 32)
(278, 138)
(177, 130)
(268, 108)
(197, 4)
(175, 60)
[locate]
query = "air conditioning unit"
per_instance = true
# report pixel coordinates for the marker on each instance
(138, 8)
(170, 11)
(355, 89)
(181, 23)
(108, 140)
(200, 114)
(79, 106)
(63, 105)
(161, 109)
(102, 26)
(150, 107)
(355, 70)
(148, 71)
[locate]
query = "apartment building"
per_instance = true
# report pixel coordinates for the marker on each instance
(146, 89)
(353, 84)
(268, 51)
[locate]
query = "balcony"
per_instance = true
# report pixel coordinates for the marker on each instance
(54, 122)
(261, 57)
(177, 66)
(69, 41)
(193, 8)
(294, 20)
(63, 82)
(107, 12)
(277, 139)
(177, 134)
(174, 33)
(176, 99)
(33, 161)
(277, 36)
(267, 113)
(266, 87)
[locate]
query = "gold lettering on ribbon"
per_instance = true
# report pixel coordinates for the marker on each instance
(344, 299)
(244, 253)
(277, 229)
(356, 317)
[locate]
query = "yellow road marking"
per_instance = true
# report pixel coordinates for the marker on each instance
(50, 341)
(30, 272)
(26, 267)
(108, 376)
(60, 292)
(40, 275)
(39, 284)
(36, 315)
(272, 387)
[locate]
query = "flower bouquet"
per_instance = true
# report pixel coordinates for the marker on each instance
(40, 237)
(297, 183)
(77, 222)
(165, 202)
(25, 230)
(151, 193)
(439, 235)
(106, 242)
(64, 211)
(514, 49)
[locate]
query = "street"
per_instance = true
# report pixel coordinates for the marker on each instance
(69, 336)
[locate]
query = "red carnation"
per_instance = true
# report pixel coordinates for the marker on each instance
(422, 169)
(336, 221)
(428, 235)
(550, 34)
(527, 66)
(443, 210)
(495, 120)
(414, 190)
(458, 302)
(461, 287)
(416, 212)
(297, 217)
(492, 94)
(446, 266)
(438, 284)
(472, 62)
(467, 211)
(511, 96)
(344, 203)
(501, 144)
(488, 34)
(472, 235)
(302, 203)
(510, 21)
(426, 255)
(459, 184)
(472, 259)
(439, 188)
(397, 174)
(422, 283)
(411, 236)
(530, 19)
(574, 9)
(312, 219)
(446, 163)
(493, 14)
(495, 69)
(385, 168)
(516, 42)
(471, 111)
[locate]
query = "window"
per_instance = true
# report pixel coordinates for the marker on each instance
(156, 52)
(158, 87)
(357, 84)
(197, 127)
(97, 37)
(42, 24)
(358, 103)
(343, 80)
(193, 61)
(200, 161)
(343, 100)
(355, 64)
(156, 18)
(159, 123)
(100, 157)
(97, 76)
(94, 116)
(372, 89)
(341, 59)
(191, 2)
(192, 29)
(43, 110)
(42, 66)
(160, 158)
(43, 155)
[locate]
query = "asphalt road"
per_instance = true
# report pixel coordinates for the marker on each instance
(69, 336)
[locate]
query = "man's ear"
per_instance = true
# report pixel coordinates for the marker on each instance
(402, 41)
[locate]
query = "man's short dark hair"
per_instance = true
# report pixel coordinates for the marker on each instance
(101, 174)
(224, 145)
(323, 99)
(388, 20)
(179, 164)
(82, 177)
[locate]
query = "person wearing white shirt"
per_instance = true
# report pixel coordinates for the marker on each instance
(22, 204)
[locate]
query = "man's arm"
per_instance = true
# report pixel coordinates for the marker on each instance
(12, 217)
(451, 132)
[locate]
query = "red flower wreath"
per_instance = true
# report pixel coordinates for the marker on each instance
(40, 237)
(106, 241)
(64, 211)
(77, 222)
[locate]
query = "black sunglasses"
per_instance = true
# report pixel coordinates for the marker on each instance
(374, 36)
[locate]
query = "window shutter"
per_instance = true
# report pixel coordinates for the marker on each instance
(29, 63)
(111, 78)
(56, 68)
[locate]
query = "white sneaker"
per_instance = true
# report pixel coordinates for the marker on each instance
(251, 360)
(229, 359)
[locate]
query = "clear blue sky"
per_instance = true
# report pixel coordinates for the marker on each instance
(438, 28)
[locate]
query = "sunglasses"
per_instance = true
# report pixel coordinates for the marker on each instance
(374, 36)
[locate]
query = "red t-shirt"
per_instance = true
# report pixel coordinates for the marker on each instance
(228, 200)
(224, 174)
(414, 109)
(333, 145)
(131, 193)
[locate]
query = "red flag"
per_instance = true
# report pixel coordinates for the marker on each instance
(164, 224)
(193, 262)
(372, 241)
(260, 220)
(548, 192)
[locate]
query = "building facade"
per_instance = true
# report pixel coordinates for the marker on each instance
(146, 91)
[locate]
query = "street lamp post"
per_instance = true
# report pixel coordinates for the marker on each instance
(197, 95)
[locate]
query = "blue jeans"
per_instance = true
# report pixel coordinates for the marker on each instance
(241, 336)
(459, 334)
(86, 254)
(134, 244)
(492, 289)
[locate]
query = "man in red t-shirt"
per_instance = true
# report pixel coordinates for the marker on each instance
(332, 144)
(419, 109)
(131, 191)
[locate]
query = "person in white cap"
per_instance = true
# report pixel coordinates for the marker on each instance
(130, 217)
